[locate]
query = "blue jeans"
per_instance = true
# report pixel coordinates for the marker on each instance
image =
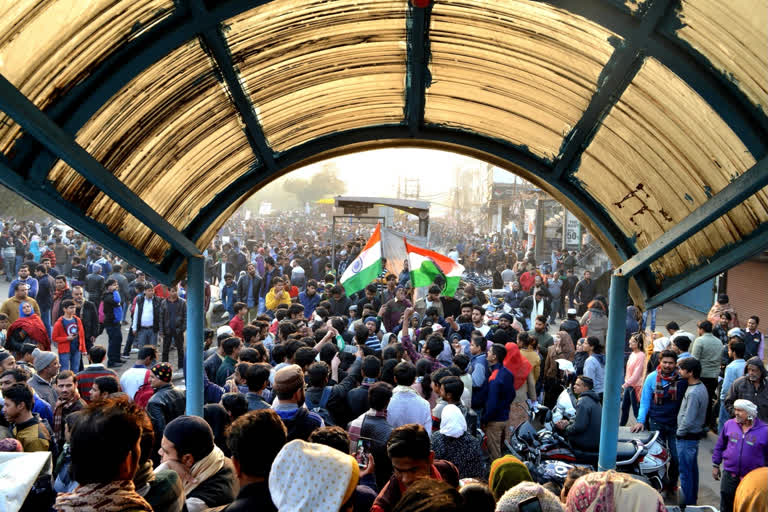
(652, 311)
(145, 337)
(70, 360)
(9, 264)
(667, 434)
(724, 416)
(45, 316)
(19, 261)
(629, 399)
(688, 452)
(262, 305)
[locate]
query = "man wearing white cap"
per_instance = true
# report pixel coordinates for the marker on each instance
(742, 446)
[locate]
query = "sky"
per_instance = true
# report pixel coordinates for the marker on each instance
(384, 167)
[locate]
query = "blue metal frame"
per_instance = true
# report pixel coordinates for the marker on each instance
(614, 372)
(725, 258)
(24, 112)
(216, 44)
(399, 135)
(749, 183)
(418, 76)
(47, 198)
(194, 351)
(614, 79)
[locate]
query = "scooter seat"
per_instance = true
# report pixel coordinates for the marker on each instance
(643, 437)
(625, 451)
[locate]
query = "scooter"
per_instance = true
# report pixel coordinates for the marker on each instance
(551, 456)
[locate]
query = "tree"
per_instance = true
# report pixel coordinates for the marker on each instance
(323, 184)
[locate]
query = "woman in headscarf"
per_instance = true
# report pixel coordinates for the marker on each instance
(308, 476)
(752, 493)
(454, 444)
(596, 321)
(525, 385)
(609, 491)
(28, 328)
(507, 472)
(562, 348)
(581, 356)
(34, 248)
(548, 502)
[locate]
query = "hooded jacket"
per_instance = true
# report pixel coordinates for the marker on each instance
(744, 388)
(742, 452)
(584, 432)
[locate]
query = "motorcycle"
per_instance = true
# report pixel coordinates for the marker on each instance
(550, 456)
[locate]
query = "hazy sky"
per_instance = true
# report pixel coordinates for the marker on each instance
(382, 168)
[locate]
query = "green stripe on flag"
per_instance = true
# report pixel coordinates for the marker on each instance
(425, 275)
(451, 285)
(362, 279)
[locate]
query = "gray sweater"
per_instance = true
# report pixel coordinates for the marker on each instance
(693, 412)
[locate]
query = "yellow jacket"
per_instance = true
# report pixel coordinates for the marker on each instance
(272, 302)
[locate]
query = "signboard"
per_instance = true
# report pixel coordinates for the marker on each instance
(572, 230)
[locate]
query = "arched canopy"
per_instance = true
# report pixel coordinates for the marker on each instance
(146, 123)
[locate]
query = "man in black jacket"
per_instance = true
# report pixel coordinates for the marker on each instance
(95, 285)
(584, 291)
(166, 404)
(113, 315)
(255, 439)
(270, 273)
(86, 311)
(336, 404)
(188, 440)
(584, 431)
(248, 290)
(44, 296)
(221, 269)
(173, 324)
(357, 399)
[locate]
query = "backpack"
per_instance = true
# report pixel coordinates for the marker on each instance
(320, 409)
(101, 312)
(144, 393)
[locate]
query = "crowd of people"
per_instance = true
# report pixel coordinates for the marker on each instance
(318, 399)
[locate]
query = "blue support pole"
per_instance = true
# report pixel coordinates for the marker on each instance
(614, 372)
(194, 354)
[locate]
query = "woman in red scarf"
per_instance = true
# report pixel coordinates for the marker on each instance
(28, 328)
(525, 386)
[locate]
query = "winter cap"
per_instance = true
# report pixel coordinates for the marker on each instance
(288, 379)
(224, 329)
(190, 434)
(370, 319)
(163, 371)
(43, 360)
(507, 316)
(309, 476)
(746, 406)
(572, 311)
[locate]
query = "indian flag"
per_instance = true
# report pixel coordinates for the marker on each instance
(426, 266)
(366, 267)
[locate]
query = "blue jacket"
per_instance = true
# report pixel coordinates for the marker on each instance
(666, 412)
(309, 303)
(229, 297)
(31, 292)
(480, 374)
(501, 393)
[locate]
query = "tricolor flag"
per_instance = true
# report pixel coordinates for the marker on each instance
(426, 265)
(366, 267)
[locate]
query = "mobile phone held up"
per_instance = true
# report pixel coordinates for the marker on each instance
(362, 452)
